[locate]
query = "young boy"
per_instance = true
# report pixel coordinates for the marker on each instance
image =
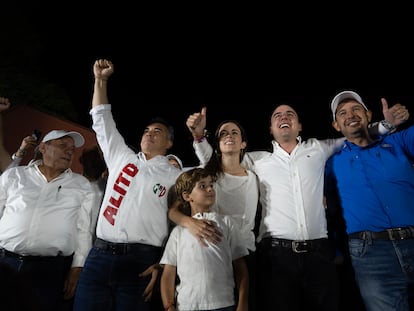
(206, 280)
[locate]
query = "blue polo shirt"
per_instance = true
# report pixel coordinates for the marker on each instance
(375, 183)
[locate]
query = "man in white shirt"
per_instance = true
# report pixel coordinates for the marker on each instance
(132, 224)
(45, 219)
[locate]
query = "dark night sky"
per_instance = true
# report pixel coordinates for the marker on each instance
(238, 64)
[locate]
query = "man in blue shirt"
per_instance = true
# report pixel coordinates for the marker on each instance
(374, 179)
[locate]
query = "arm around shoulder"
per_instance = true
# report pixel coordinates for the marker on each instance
(202, 229)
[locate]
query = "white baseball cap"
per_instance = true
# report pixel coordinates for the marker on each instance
(341, 96)
(56, 134)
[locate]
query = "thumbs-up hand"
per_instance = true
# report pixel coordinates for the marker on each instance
(196, 123)
(396, 114)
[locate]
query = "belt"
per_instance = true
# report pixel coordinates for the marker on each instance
(30, 257)
(124, 248)
(297, 246)
(389, 234)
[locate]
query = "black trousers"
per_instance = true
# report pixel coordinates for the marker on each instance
(38, 281)
(296, 276)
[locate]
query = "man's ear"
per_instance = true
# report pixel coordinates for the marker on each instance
(41, 147)
(335, 126)
(369, 115)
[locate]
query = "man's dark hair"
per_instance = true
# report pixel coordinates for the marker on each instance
(163, 121)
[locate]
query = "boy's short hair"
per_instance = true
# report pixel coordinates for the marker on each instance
(187, 180)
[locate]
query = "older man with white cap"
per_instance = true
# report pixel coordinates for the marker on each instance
(45, 220)
(374, 181)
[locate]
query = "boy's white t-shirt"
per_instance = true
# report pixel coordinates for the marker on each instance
(205, 273)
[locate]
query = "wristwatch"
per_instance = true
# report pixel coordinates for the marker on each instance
(20, 151)
(388, 126)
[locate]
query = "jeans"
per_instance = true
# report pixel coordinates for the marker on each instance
(384, 271)
(111, 281)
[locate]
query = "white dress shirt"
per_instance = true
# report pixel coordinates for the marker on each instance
(291, 187)
(42, 218)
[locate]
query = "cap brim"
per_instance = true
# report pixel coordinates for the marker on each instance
(77, 138)
(343, 95)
